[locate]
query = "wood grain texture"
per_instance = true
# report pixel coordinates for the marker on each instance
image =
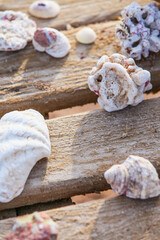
(87, 144)
(119, 218)
(73, 12)
(30, 79)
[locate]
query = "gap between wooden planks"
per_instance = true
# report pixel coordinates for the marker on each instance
(75, 12)
(36, 80)
(87, 144)
(116, 218)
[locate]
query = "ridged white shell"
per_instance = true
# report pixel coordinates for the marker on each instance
(24, 139)
(86, 35)
(44, 9)
(135, 178)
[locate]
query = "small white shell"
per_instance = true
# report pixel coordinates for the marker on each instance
(135, 178)
(118, 82)
(44, 9)
(86, 35)
(16, 29)
(34, 226)
(51, 41)
(24, 139)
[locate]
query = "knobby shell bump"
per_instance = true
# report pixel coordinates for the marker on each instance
(135, 178)
(34, 226)
(118, 82)
(139, 31)
(16, 30)
(24, 140)
(51, 41)
(44, 9)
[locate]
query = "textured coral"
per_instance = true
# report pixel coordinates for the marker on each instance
(51, 41)
(135, 178)
(37, 226)
(139, 31)
(16, 29)
(44, 9)
(118, 82)
(24, 139)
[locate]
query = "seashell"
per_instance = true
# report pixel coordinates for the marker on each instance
(44, 9)
(139, 31)
(118, 82)
(34, 226)
(135, 178)
(51, 41)
(16, 29)
(86, 35)
(24, 140)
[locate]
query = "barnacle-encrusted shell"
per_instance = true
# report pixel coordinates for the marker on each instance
(51, 41)
(44, 9)
(35, 226)
(86, 35)
(135, 178)
(118, 82)
(16, 29)
(24, 139)
(139, 31)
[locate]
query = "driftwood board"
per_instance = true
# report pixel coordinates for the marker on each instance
(87, 144)
(119, 218)
(30, 79)
(74, 12)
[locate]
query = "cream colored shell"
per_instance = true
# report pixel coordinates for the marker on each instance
(24, 139)
(44, 9)
(16, 29)
(86, 35)
(54, 42)
(135, 178)
(118, 82)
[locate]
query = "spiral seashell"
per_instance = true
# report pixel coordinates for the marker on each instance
(35, 226)
(118, 82)
(135, 178)
(24, 139)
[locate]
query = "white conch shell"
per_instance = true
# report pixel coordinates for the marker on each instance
(118, 82)
(135, 178)
(24, 139)
(86, 35)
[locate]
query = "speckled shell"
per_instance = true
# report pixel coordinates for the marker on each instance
(135, 178)
(24, 139)
(86, 35)
(118, 82)
(16, 29)
(44, 9)
(139, 31)
(34, 225)
(51, 41)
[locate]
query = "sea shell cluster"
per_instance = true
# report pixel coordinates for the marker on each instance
(44, 9)
(135, 178)
(35, 226)
(51, 41)
(118, 82)
(86, 35)
(24, 140)
(16, 29)
(139, 31)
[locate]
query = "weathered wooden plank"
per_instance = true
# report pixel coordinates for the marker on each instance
(87, 144)
(117, 218)
(36, 80)
(75, 12)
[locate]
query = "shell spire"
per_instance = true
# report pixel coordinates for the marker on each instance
(135, 178)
